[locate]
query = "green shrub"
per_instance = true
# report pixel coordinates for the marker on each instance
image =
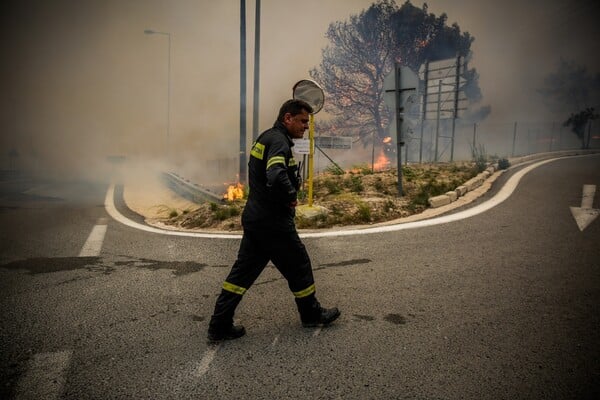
(408, 174)
(503, 163)
(480, 157)
(225, 212)
(430, 189)
(334, 170)
(332, 186)
(364, 212)
(354, 183)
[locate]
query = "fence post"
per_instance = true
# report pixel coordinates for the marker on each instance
(474, 138)
(514, 140)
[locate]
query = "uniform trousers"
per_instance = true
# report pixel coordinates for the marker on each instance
(287, 252)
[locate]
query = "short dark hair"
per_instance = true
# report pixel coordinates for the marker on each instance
(294, 107)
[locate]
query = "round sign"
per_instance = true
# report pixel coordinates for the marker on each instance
(310, 92)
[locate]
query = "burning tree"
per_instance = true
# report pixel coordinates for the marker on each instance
(364, 49)
(579, 121)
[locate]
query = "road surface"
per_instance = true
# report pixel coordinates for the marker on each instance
(499, 305)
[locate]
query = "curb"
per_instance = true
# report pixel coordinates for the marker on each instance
(482, 177)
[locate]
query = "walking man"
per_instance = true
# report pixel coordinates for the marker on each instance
(269, 229)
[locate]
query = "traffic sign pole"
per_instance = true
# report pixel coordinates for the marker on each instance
(311, 138)
(399, 119)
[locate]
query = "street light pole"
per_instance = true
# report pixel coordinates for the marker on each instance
(168, 35)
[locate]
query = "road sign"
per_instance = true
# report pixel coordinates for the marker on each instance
(409, 83)
(333, 142)
(444, 114)
(301, 146)
(408, 80)
(443, 64)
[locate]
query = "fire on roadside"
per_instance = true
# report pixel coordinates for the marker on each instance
(234, 192)
(382, 163)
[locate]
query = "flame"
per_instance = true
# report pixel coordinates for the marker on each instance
(382, 162)
(421, 43)
(234, 192)
(387, 140)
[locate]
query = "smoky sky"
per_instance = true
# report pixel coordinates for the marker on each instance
(81, 80)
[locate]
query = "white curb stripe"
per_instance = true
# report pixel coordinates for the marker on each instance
(502, 195)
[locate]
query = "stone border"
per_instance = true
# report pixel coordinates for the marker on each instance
(477, 181)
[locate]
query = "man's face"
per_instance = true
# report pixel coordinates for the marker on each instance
(296, 124)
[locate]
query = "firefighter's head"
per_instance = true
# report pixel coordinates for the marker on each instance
(293, 114)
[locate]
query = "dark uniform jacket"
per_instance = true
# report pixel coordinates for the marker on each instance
(273, 181)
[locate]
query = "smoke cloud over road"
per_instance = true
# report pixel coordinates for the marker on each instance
(82, 82)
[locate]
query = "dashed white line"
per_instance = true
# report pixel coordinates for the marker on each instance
(45, 376)
(204, 364)
(93, 244)
(275, 341)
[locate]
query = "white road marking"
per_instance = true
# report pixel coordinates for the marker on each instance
(93, 244)
(204, 364)
(587, 197)
(585, 214)
(275, 341)
(45, 376)
(502, 195)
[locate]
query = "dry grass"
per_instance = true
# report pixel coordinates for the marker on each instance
(355, 197)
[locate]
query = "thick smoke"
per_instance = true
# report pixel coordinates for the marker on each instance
(82, 82)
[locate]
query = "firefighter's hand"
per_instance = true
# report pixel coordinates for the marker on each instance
(293, 203)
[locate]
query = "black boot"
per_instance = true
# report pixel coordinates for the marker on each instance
(221, 323)
(324, 317)
(312, 314)
(217, 334)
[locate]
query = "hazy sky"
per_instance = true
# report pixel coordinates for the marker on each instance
(83, 81)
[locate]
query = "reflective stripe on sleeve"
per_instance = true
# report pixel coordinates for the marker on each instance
(306, 292)
(258, 150)
(230, 287)
(275, 160)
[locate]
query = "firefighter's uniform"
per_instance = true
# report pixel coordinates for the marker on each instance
(269, 229)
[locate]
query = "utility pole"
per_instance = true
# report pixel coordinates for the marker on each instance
(255, 101)
(242, 177)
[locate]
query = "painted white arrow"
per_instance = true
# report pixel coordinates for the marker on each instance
(585, 214)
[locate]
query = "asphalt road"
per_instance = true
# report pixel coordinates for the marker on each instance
(501, 305)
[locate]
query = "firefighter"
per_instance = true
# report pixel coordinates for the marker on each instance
(269, 229)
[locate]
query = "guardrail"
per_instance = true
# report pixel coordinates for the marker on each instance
(190, 191)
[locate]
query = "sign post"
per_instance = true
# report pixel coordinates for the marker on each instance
(312, 93)
(400, 88)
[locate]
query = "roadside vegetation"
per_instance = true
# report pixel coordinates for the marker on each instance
(357, 196)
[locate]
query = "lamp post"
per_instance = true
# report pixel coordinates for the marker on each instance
(168, 35)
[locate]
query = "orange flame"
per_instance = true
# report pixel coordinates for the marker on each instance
(382, 162)
(234, 192)
(387, 140)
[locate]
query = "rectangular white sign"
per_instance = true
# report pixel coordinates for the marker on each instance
(301, 146)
